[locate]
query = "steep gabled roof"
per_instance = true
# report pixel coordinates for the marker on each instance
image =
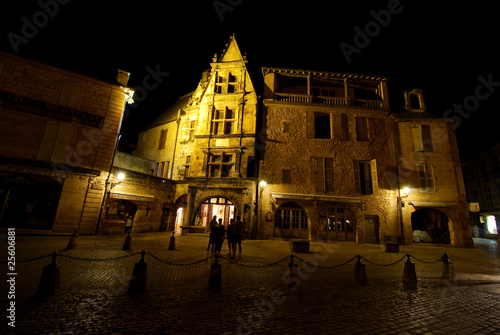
(171, 113)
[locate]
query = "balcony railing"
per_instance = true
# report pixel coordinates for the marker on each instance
(336, 101)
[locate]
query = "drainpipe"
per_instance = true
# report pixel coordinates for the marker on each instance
(398, 184)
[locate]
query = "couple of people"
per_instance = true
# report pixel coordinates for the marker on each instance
(235, 235)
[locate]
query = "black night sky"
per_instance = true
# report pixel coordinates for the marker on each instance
(447, 49)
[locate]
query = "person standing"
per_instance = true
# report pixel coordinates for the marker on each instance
(211, 240)
(238, 235)
(219, 233)
(230, 236)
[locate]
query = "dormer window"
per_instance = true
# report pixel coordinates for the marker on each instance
(414, 101)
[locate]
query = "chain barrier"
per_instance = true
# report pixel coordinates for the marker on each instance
(99, 259)
(178, 264)
(232, 261)
(384, 265)
(427, 262)
(28, 260)
(325, 267)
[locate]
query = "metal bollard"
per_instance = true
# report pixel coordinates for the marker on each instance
(50, 282)
(128, 242)
(409, 274)
(171, 245)
(215, 280)
(73, 240)
(360, 272)
(448, 268)
(137, 284)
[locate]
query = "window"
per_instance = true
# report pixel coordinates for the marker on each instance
(226, 84)
(286, 176)
(162, 169)
(191, 130)
(55, 141)
(223, 121)
(163, 139)
(324, 174)
(422, 137)
(291, 216)
(365, 173)
(220, 165)
(426, 178)
(70, 93)
(322, 125)
(362, 129)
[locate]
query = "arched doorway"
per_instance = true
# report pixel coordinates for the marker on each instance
(221, 208)
(337, 224)
(430, 226)
(291, 222)
(28, 201)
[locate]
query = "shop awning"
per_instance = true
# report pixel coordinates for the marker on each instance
(431, 204)
(296, 196)
(133, 197)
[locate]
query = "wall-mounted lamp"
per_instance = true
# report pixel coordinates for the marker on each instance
(262, 184)
(406, 192)
(120, 177)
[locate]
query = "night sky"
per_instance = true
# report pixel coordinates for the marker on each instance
(447, 49)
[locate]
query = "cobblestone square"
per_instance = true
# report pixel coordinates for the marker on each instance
(256, 296)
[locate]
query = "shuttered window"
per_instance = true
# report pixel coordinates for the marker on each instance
(56, 138)
(422, 137)
(324, 174)
(365, 174)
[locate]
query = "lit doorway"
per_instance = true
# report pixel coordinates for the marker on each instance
(179, 219)
(430, 226)
(337, 224)
(221, 208)
(291, 222)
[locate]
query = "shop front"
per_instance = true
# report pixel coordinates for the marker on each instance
(28, 201)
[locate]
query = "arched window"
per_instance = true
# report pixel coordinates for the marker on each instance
(291, 221)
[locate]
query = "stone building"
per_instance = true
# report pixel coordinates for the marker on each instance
(320, 156)
(59, 131)
(327, 140)
(206, 143)
(435, 209)
(482, 184)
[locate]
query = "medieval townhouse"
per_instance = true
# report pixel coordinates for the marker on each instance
(59, 131)
(206, 143)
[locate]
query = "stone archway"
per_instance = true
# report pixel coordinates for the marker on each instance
(430, 226)
(291, 221)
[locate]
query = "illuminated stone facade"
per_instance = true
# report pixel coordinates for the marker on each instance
(205, 142)
(59, 131)
(322, 157)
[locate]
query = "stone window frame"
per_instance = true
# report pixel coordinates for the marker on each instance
(216, 121)
(224, 165)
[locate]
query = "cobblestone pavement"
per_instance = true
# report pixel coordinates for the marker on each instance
(255, 295)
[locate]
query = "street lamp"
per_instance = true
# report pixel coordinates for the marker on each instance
(120, 177)
(401, 204)
(262, 184)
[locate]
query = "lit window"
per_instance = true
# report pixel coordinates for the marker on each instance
(223, 121)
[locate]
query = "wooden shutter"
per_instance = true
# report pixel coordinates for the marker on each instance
(416, 131)
(70, 93)
(320, 174)
(421, 178)
(429, 171)
(337, 126)
(373, 168)
(357, 183)
(345, 127)
(328, 174)
(48, 141)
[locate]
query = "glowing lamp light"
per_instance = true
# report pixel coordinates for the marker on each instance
(120, 176)
(406, 191)
(262, 184)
